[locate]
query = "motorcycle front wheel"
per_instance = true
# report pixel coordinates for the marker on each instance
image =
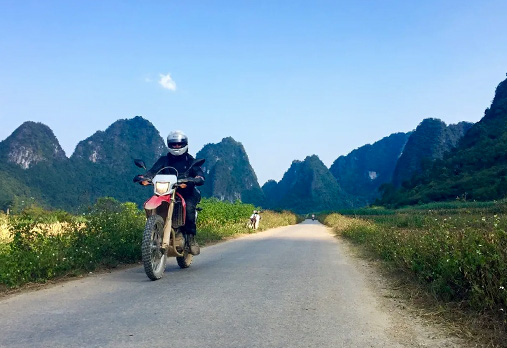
(154, 259)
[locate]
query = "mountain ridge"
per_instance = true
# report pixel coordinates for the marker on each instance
(102, 161)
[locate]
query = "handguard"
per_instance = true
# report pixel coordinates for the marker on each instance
(141, 180)
(138, 178)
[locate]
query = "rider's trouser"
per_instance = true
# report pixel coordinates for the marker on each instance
(191, 201)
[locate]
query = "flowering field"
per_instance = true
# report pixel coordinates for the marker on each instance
(39, 245)
(460, 255)
(5, 235)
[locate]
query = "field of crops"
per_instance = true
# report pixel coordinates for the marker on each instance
(457, 252)
(39, 245)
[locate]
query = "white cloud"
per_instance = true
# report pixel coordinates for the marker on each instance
(167, 82)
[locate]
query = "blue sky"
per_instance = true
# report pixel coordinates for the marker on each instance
(288, 79)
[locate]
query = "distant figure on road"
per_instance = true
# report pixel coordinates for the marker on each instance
(255, 218)
(313, 217)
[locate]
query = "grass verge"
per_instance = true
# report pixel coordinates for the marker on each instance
(39, 246)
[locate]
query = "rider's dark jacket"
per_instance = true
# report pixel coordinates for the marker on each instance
(181, 164)
(191, 194)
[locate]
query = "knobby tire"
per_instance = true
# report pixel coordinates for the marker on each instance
(153, 259)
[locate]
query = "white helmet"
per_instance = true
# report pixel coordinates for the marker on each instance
(177, 142)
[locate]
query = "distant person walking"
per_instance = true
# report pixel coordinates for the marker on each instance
(255, 219)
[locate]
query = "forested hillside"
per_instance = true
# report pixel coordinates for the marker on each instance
(475, 170)
(430, 141)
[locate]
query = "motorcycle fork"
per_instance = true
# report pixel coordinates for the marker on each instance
(169, 231)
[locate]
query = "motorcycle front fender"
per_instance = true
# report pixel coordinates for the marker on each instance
(156, 201)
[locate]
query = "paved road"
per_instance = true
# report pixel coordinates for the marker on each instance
(287, 287)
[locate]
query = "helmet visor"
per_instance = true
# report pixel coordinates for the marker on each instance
(177, 145)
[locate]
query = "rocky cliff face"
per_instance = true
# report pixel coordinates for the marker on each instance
(430, 141)
(31, 143)
(362, 171)
(229, 175)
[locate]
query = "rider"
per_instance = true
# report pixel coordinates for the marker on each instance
(179, 158)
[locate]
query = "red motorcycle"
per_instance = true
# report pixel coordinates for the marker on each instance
(163, 235)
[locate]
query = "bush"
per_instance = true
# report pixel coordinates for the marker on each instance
(114, 232)
(43, 247)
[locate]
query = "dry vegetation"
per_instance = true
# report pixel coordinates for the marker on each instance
(457, 258)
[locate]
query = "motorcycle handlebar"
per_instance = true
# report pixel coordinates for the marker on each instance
(141, 179)
(186, 181)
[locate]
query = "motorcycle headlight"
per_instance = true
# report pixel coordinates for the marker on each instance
(161, 187)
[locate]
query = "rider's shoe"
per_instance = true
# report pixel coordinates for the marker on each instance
(194, 247)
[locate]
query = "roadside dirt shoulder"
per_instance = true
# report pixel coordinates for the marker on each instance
(411, 326)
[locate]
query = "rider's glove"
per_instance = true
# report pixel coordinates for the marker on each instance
(198, 180)
(139, 178)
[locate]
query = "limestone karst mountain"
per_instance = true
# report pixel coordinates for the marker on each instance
(31, 143)
(430, 141)
(362, 171)
(120, 142)
(36, 168)
(475, 170)
(229, 175)
(308, 186)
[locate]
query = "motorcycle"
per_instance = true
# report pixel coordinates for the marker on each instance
(163, 235)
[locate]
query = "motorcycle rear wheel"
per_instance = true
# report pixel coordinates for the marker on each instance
(154, 259)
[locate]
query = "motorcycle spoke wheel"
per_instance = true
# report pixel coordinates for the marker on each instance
(154, 259)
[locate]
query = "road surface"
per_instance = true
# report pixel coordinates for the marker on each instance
(292, 286)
